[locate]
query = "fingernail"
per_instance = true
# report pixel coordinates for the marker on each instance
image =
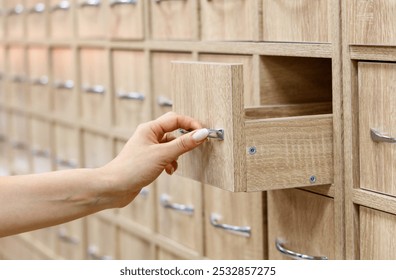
(172, 171)
(200, 134)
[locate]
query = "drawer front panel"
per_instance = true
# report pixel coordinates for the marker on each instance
(372, 22)
(36, 20)
(133, 248)
(302, 222)
(66, 147)
(71, 242)
(91, 19)
(377, 234)
(15, 9)
(40, 136)
(101, 239)
(377, 116)
(17, 90)
(126, 19)
(297, 20)
(61, 19)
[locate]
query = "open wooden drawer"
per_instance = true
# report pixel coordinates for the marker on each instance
(262, 148)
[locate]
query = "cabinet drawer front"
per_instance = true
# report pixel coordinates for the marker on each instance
(101, 239)
(94, 87)
(131, 99)
(132, 247)
(40, 137)
(377, 101)
(14, 10)
(224, 210)
(303, 222)
(230, 20)
(174, 19)
(36, 21)
(66, 147)
(377, 234)
(71, 240)
(180, 210)
(3, 98)
(91, 19)
(61, 19)
(161, 79)
(126, 19)
(297, 20)
(254, 155)
(372, 22)
(92, 143)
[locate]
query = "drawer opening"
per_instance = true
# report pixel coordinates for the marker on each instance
(293, 86)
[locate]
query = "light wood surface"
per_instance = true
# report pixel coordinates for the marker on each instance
(61, 21)
(132, 247)
(91, 20)
(297, 21)
(126, 21)
(101, 239)
(303, 221)
(36, 24)
(71, 240)
(40, 147)
(14, 24)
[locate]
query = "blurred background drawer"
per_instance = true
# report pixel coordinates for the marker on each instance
(36, 19)
(300, 225)
(61, 19)
(67, 148)
(15, 11)
(18, 137)
(40, 145)
(126, 19)
(17, 77)
(91, 19)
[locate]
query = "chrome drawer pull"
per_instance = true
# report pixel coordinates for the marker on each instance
(122, 2)
(165, 202)
(164, 102)
(69, 84)
(92, 253)
(63, 5)
(62, 235)
(130, 95)
(19, 79)
(243, 231)
(294, 255)
(42, 81)
(90, 3)
(158, 1)
(144, 192)
(213, 133)
(17, 10)
(41, 153)
(97, 89)
(39, 8)
(377, 136)
(66, 163)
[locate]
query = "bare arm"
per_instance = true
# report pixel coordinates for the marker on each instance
(35, 201)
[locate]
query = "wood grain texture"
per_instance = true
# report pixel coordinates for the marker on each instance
(371, 22)
(376, 111)
(36, 23)
(212, 93)
(303, 221)
(90, 20)
(377, 235)
(297, 21)
(289, 151)
(74, 230)
(101, 238)
(125, 22)
(236, 20)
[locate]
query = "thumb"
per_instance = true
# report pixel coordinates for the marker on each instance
(187, 142)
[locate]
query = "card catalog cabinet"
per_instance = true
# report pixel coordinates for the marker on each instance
(17, 77)
(36, 21)
(91, 18)
(4, 147)
(61, 18)
(14, 11)
(40, 138)
(18, 139)
(126, 19)
(2, 75)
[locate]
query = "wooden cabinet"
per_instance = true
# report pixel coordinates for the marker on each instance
(18, 137)
(40, 139)
(61, 19)
(291, 152)
(36, 20)
(377, 234)
(95, 95)
(132, 247)
(174, 20)
(4, 148)
(297, 21)
(161, 79)
(300, 225)
(66, 144)
(63, 83)
(132, 103)
(39, 92)
(101, 239)
(180, 203)
(126, 19)
(71, 243)
(236, 20)
(3, 97)
(17, 77)
(15, 10)
(92, 143)
(231, 231)
(371, 22)
(91, 19)
(377, 127)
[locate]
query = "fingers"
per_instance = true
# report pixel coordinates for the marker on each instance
(171, 168)
(186, 142)
(171, 121)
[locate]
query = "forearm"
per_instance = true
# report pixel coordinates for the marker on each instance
(30, 202)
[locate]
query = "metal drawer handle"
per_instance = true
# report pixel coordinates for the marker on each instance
(130, 95)
(63, 5)
(123, 2)
(158, 1)
(243, 231)
(69, 84)
(18, 145)
(17, 10)
(18, 79)
(42, 81)
(62, 235)
(97, 89)
(294, 255)
(41, 153)
(165, 202)
(144, 192)
(377, 136)
(39, 8)
(93, 254)
(90, 3)
(213, 133)
(66, 163)
(164, 102)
